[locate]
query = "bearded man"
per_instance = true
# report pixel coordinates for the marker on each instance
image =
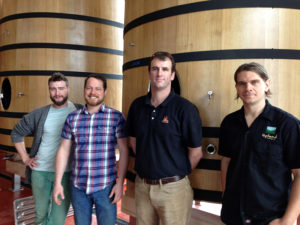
(93, 131)
(45, 124)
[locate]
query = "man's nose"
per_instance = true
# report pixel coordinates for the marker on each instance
(93, 90)
(248, 85)
(58, 91)
(160, 71)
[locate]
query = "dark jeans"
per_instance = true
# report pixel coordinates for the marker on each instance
(106, 212)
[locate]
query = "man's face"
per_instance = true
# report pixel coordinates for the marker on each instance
(161, 74)
(94, 92)
(251, 88)
(58, 91)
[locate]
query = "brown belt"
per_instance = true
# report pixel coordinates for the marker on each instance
(165, 180)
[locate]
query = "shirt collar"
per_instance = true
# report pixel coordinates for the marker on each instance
(165, 102)
(267, 113)
(101, 109)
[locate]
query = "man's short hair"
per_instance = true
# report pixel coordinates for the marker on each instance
(162, 56)
(58, 76)
(256, 68)
(98, 77)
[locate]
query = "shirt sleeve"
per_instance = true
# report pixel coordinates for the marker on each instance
(120, 131)
(224, 147)
(129, 127)
(66, 131)
(192, 127)
(24, 127)
(291, 144)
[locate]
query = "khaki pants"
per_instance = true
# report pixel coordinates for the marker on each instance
(171, 203)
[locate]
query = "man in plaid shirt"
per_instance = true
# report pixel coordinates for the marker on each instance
(94, 131)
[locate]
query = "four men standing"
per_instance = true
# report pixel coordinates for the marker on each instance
(259, 144)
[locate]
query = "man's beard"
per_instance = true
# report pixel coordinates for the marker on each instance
(92, 103)
(59, 103)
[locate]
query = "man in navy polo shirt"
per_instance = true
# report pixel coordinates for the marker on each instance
(260, 146)
(164, 131)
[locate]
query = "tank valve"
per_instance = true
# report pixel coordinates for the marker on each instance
(211, 149)
(210, 93)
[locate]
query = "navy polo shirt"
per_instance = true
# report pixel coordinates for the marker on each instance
(163, 135)
(258, 179)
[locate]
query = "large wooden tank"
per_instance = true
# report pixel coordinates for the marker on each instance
(209, 40)
(39, 37)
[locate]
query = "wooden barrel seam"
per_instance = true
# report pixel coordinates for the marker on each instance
(50, 72)
(12, 114)
(61, 16)
(205, 6)
(5, 131)
(61, 46)
(222, 55)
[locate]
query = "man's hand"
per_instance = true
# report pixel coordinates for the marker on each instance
(117, 190)
(280, 221)
(58, 190)
(293, 208)
(31, 162)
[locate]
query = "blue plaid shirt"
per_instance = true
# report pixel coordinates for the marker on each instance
(94, 138)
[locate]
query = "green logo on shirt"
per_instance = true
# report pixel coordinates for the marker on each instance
(271, 130)
(270, 133)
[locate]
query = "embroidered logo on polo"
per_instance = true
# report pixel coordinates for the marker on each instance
(270, 133)
(165, 119)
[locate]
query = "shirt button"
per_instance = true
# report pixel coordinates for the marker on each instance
(247, 221)
(152, 118)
